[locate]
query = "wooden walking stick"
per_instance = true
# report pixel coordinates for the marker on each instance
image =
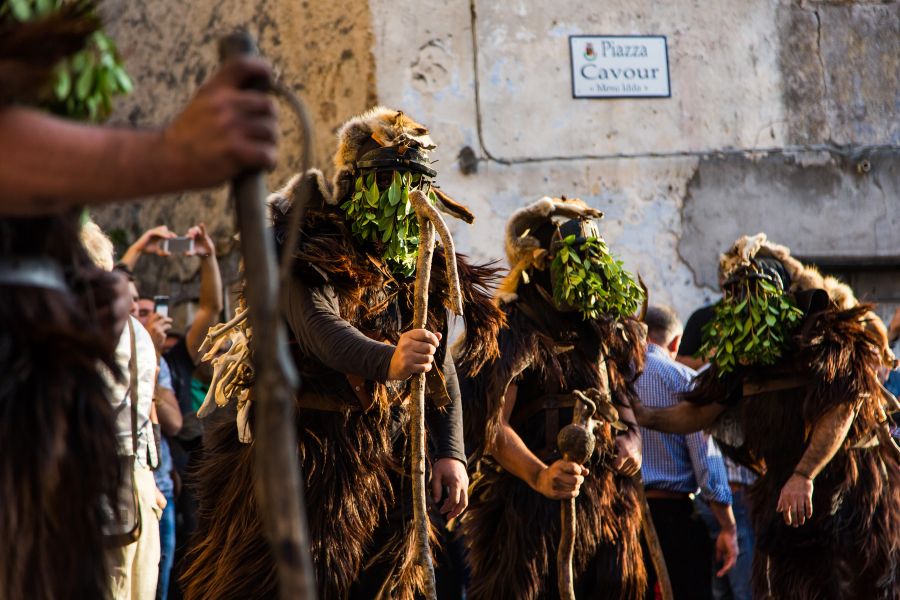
(429, 220)
(576, 442)
(653, 545)
(278, 485)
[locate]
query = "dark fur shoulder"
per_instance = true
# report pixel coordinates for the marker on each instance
(520, 346)
(842, 357)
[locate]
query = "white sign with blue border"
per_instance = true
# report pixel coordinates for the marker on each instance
(619, 66)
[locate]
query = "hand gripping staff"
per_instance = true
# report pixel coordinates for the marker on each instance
(576, 443)
(429, 220)
(278, 485)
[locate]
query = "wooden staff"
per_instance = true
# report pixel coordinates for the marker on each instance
(278, 485)
(429, 220)
(653, 545)
(576, 442)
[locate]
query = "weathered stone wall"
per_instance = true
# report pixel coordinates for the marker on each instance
(775, 104)
(321, 50)
(760, 90)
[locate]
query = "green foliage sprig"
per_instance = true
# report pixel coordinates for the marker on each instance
(751, 326)
(87, 81)
(386, 219)
(589, 279)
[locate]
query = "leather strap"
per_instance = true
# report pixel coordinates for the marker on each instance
(133, 387)
(667, 495)
(756, 387)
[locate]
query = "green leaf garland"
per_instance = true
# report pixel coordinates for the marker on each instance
(86, 82)
(385, 219)
(588, 278)
(751, 326)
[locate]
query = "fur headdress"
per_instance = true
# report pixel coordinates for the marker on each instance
(802, 277)
(379, 127)
(523, 250)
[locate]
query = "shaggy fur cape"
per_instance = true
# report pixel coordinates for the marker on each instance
(851, 546)
(59, 462)
(510, 530)
(351, 468)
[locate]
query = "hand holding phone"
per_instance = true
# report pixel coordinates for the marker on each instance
(178, 245)
(161, 305)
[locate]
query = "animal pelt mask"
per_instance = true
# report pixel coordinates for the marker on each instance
(382, 155)
(379, 139)
(776, 259)
(525, 251)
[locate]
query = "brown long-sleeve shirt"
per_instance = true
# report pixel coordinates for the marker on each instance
(333, 348)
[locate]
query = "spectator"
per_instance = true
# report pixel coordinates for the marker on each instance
(134, 567)
(676, 466)
(170, 420)
(182, 357)
(734, 585)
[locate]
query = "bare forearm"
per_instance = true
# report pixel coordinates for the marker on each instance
(170, 419)
(50, 164)
(131, 256)
(210, 305)
(723, 514)
(210, 285)
(683, 418)
(514, 456)
(827, 436)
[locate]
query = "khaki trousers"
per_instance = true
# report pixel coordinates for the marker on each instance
(135, 567)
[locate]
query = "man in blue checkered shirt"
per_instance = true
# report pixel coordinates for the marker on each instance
(676, 466)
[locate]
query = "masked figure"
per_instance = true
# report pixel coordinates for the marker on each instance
(60, 320)
(570, 337)
(348, 303)
(793, 393)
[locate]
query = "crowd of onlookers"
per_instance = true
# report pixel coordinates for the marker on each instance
(170, 384)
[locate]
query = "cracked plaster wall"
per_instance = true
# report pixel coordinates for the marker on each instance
(746, 74)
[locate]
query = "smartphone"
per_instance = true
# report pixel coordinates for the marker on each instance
(178, 245)
(161, 305)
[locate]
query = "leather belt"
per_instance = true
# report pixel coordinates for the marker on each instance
(667, 495)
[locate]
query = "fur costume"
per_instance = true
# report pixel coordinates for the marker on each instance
(59, 463)
(357, 491)
(510, 530)
(850, 548)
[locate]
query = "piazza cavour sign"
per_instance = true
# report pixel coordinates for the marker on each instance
(619, 66)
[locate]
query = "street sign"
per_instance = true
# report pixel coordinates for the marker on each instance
(619, 66)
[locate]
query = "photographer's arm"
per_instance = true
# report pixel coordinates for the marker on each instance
(211, 301)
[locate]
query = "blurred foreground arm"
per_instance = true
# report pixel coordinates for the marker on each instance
(50, 164)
